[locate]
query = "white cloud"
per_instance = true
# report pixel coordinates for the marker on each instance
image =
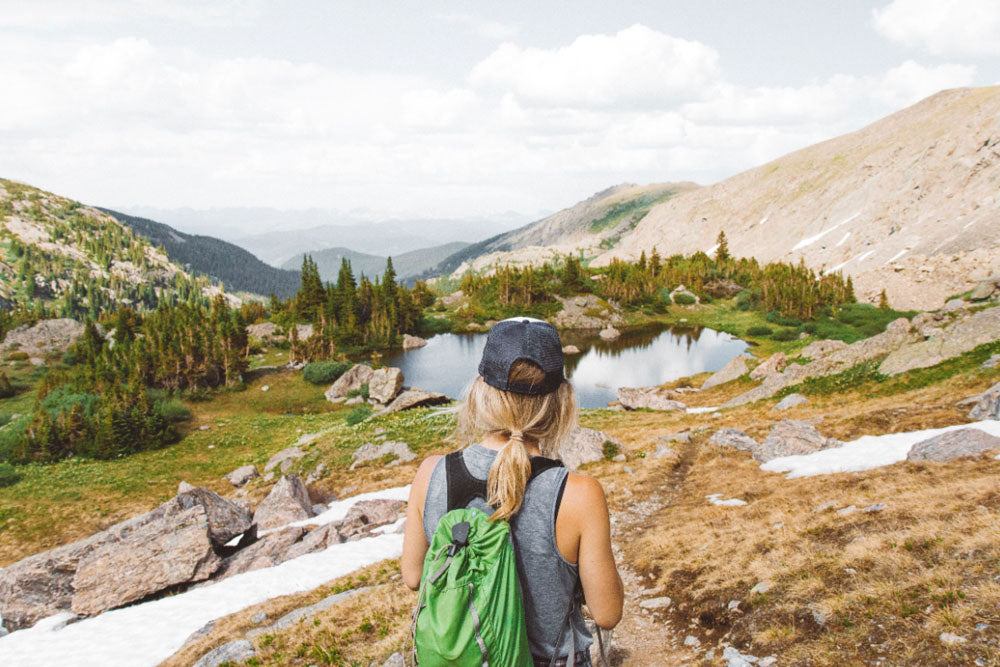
(637, 66)
(944, 27)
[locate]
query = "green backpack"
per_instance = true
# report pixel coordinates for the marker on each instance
(469, 610)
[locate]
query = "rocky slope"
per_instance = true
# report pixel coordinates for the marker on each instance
(407, 264)
(909, 203)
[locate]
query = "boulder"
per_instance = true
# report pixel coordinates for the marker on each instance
(985, 289)
(735, 368)
(351, 380)
(242, 475)
(370, 452)
(954, 444)
(680, 436)
(412, 398)
(733, 437)
(571, 349)
(226, 519)
(366, 515)
(288, 501)
(270, 550)
(790, 401)
(959, 337)
(317, 539)
(412, 342)
(584, 445)
(822, 348)
(988, 406)
(609, 333)
(774, 365)
(791, 437)
(385, 384)
(161, 554)
(285, 458)
(236, 653)
(635, 398)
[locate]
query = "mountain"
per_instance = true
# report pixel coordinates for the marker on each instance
(910, 203)
(388, 237)
(407, 264)
(234, 267)
(595, 223)
(79, 261)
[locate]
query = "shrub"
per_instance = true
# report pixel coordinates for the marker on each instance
(361, 391)
(610, 450)
(784, 335)
(10, 435)
(759, 331)
(17, 356)
(8, 475)
(683, 299)
(325, 372)
(358, 414)
(174, 411)
(6, 388)
(707, 298)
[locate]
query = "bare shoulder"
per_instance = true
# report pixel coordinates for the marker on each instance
(584, 492)
(423, 476)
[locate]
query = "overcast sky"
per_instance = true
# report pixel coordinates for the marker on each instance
(451, 109)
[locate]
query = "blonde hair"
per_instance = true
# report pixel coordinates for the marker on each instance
(546, 418)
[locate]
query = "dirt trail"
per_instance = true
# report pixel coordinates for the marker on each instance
(646, 636)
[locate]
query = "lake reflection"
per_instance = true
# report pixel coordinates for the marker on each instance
(640, 358)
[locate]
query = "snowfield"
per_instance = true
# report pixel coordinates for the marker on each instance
(147, 634)
(865, 453)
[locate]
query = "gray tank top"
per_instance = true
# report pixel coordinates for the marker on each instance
(548, 581)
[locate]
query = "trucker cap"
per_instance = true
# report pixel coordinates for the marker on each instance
(522, 338)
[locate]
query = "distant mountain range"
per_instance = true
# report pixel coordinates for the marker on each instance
(237, 269)
(407, 265)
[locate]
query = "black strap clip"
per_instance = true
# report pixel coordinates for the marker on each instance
(459, 537)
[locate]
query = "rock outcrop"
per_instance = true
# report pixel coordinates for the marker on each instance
(385, 384)
(772, 366)
(412, 398)
(366, 515)
(635, 398)
(821, 348)
(735, 368)
(369, 452)
(242, 475)
(44, 338)
(945, 342)
(954, 444)
(288, 501)
(270, 550)
(587, 311)
(351, 380)
(988, 406)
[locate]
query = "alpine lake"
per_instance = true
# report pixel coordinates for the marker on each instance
(638, 358)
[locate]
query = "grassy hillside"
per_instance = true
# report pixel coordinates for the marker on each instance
(225, 262)
(407, 264)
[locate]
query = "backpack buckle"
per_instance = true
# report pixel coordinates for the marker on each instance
(459, 537)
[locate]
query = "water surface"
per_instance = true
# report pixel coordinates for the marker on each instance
(640, 358)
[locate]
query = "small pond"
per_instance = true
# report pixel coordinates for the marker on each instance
(639, 358)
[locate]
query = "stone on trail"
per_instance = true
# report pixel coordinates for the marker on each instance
(288, 501)
(949, 638)
(584, 445)
(351, 380)
(663, 452)
(733, 437)
(681, 436)
(385, 384)
(988, 406)
(656, 603)
(236, 652)
(242, 475)
(285, 458)
(791, 437)
(736, 367)
(790, 401)
(635, 398)
(774, 365)
(954, 444)
(412, 342)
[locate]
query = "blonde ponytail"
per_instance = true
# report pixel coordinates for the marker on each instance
(545, 418)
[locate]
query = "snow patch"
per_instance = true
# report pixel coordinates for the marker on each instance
(716, 499)
(712, 249)
(865, 453)
(809, 240)
(841, 241)
(863, 256)
(338, 510)
(698, 411)
(897, 256)
(762, 220)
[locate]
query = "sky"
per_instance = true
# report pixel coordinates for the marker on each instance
(451, 109)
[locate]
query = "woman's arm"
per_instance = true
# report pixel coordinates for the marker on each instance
(414, 541)
(588, 517)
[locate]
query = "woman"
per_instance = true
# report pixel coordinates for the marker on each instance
(520, 407)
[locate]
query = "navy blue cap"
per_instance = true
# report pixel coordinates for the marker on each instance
(522, 338)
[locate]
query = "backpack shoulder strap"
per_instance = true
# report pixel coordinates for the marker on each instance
(463, 487)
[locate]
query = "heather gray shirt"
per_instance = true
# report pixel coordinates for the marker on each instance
(547, 579)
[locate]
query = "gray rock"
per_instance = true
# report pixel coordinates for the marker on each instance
(366, 515)
(385, 384)
(354, 400)
(850, 509)
(412, 398)
(822, 348)
(662, 452)
(198, 634)
(774, 365)
(791, 437)
(735, 368)
(647, 397)
(992, 362)
(226, 519)
(184, 487)
(960, 337)
(237, 652)
(288, 501)
(319, 508)
(316, 474)
(954, 444)
(609, 333)
(790, 401)
(988, 406)
(395, 660)
(732, 437)
(351, 380)
(877, 507)
(258, 618)
(586, 311)
(268, 551)
(949, 638)
(412, 342)
(692, 641)
(571, 349)
(656, 603)
(954, 305)
(734, 658)
(761, 587)
(285, 458)
(369, 452)
(318, 539)
(584, 445)
(829, 504)
(303, 613)
(681, 436)
(984, 290)
(242, 475)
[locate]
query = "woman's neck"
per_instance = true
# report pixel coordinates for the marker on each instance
(496, 441)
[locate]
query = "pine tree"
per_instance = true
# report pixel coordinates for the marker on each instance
(722, 252)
